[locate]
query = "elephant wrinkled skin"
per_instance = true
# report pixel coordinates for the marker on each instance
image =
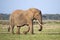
(20, 18)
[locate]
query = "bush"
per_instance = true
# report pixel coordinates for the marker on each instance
(4, 22)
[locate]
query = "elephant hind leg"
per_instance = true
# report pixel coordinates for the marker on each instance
(25, 32)
(9, 29)
(18, 30)
(12, 29)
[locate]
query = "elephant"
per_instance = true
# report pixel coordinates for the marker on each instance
(20, 18)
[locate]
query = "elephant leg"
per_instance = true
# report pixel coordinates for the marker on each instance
(25, 32)
(12, 29)
(40, 28)
(31, 27)
(18, 30)
(9, 29)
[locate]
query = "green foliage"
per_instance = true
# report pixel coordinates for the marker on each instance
(4, 16)
(45, 16)
(51, 16)
(4, 22)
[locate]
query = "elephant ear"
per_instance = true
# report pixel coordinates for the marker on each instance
(34, 11)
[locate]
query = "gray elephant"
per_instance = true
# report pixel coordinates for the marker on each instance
(20, 18)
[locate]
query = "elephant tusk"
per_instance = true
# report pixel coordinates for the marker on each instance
(39, 22)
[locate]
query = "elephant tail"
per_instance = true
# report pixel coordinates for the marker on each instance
(9, 29)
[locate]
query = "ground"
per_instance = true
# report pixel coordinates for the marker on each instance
(51, 31)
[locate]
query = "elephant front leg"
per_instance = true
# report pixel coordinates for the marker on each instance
(18, 30)
(12, 29)
(27, 30)
(31, 27)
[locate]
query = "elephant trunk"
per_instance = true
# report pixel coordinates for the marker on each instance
(40, 22)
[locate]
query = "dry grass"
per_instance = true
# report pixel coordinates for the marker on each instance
(51, 31)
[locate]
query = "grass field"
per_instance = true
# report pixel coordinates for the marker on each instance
(51, 31)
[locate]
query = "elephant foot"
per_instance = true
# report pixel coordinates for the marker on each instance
(24, 32)
(8, 29)
(12, 33)
(17, 32)
(32, 33)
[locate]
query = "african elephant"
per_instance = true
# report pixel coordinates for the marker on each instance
(20, 18)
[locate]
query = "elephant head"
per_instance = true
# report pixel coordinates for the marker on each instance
(37, 15)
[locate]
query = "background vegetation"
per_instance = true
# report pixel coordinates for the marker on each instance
(45, 16)
(51, 29)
